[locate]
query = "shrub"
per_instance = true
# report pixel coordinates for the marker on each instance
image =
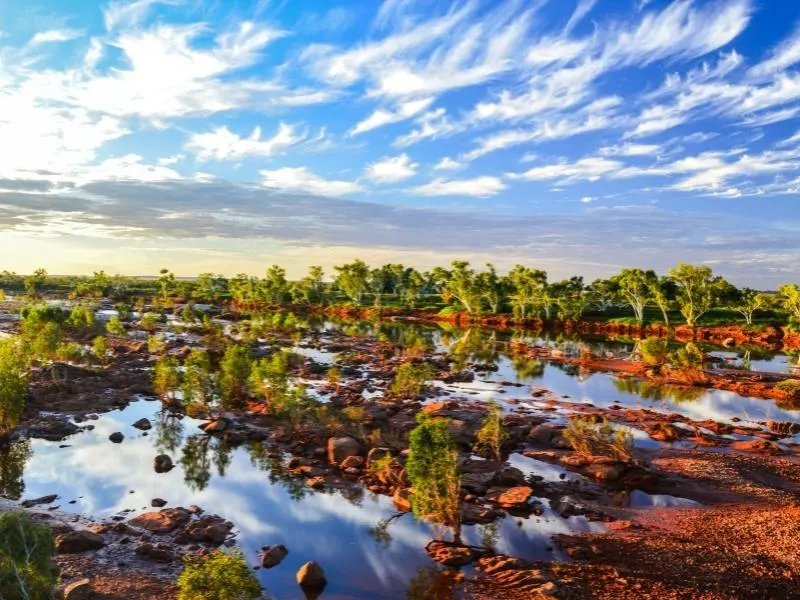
(381, 469)
(409, 380)
(100, 349)
(432, 468)
(13, 384)
(688, 357)
(654, 351)
(198, 383)
(589, 438)
(791, 387)
(149, 321)
(45, 342)
(115, 327)
(235, 372)
(334, 376)
(27, 570)
(69, 352)
(491, 435)
(219, 576)
(166, 377)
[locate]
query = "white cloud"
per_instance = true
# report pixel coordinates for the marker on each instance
(432, 124)
(448, 164)
(630, 149)
(479, 187)
(591, 169)
(54, 36)
(171, 160)
(787, 54)
(124, 13)
(381, 117)
(222, 144)
(391, 169)
(300, 179)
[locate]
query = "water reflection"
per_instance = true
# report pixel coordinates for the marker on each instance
(13, 458)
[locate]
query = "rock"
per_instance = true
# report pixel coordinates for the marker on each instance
(216, 426)
(81, 540)
(605, 471)
(352, 462)
(77, 590)
(729, 342)
(515, 497)
(163, 463)
(116, 437)
(311, 576)
(208, 529)
(510, 476)
(272, 556)
(315, 483)
(158, 502)
(542, 435)
(143, 424)
(159, 552)
(341, 448)
(450, 555)
(401, 499)
(37, 501)
(477, 483)
(163, 521)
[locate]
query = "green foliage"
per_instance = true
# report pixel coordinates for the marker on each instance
(352, 278)
(382, 468)
(591, 438)
(198, 380)
(432, 468)
(635, 287)
(81, 319)
(166, 377)
(44, 344)
(688, 357)
(789, 295)
(149, 321)
(409, 380)
(270, 379)
(334, 376)
(790, 387)
(13, 384)
(34, 282)
(697, 290)
(655, 351)
(234, 375)
(491, 436)
(70, 352)
(115, 327)
(748, 302)
(219, 576)
(155, 344)
(100, 349)
(188, 315)
(27, 570)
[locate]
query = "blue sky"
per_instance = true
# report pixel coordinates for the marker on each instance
(577, 136)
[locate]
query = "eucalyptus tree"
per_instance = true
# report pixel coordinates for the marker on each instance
(698, 290)
(492, 288)
(789, 295)
(197, 386)
(379, 283)
(353, 279)
(413, 287)
(527, 290)
(14, 368)
(635, 288)
(662, 291)
(275, 287)
(571, 297)
(210, 287)
(462, 283)
(748, 302)
(243, 289)
(311, 288)
(234, 375)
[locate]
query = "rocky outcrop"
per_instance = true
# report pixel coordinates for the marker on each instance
(162, 521)
(82, 540)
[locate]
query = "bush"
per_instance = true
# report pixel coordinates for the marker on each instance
(688, 357)
(491, 435)
(654, 351)
(27, 570)
(590, 438)
(115, 327)
(449, 311)
(791, 387)
(219, 576)
(100, 349)
(13, 384)
(409, 380)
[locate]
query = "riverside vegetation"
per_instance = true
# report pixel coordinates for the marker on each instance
(397, 408)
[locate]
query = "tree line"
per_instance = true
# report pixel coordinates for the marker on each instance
(686, 292)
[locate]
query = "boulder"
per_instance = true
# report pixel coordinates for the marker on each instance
(81, 540)
(158, 552)
(477, 483)
(37, 501)
(510, 476)
(311, 576)
(163, 463)
(515, 497)
(77, 590)
(450, 555)
(143, 424)
(352, 462)
(605, 471)
(116, 437)
(341, 448)
(158, 502)
(272, 556)
(163, 521)
(216, 426)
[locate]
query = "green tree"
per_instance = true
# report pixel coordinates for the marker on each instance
(311, 288)
(27, 570)
(432, 468)
(34, 282)
(698, 290)
(789, 295)
(197, 387)
(234, 376)
(414, 286)
(218, 576)
(210, 287)
(571, 298)
(13, 384)
(275, 287)
(167, 377)
(100, 349)
(270, 379)
(492, 288)
(167, 283)
(462, 283)
(527, 291)
(409, 380)
(353, 279)
(662, 291)
(635, 288)
(748, 302)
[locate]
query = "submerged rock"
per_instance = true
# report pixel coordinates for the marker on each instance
(77, 590)
(311, 576)
(143, 424)
(450, 555)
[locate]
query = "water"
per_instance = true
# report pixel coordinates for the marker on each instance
(340, 529)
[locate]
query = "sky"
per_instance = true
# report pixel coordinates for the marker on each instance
(577, 136)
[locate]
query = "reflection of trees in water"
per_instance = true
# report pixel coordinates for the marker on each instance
(650, 390)
(273, 464)
(432, 583)
(474, 345)
(527, 368)
(380, 531)
(13, 458)
(200, 452)
(169, 432)
(490, 535)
